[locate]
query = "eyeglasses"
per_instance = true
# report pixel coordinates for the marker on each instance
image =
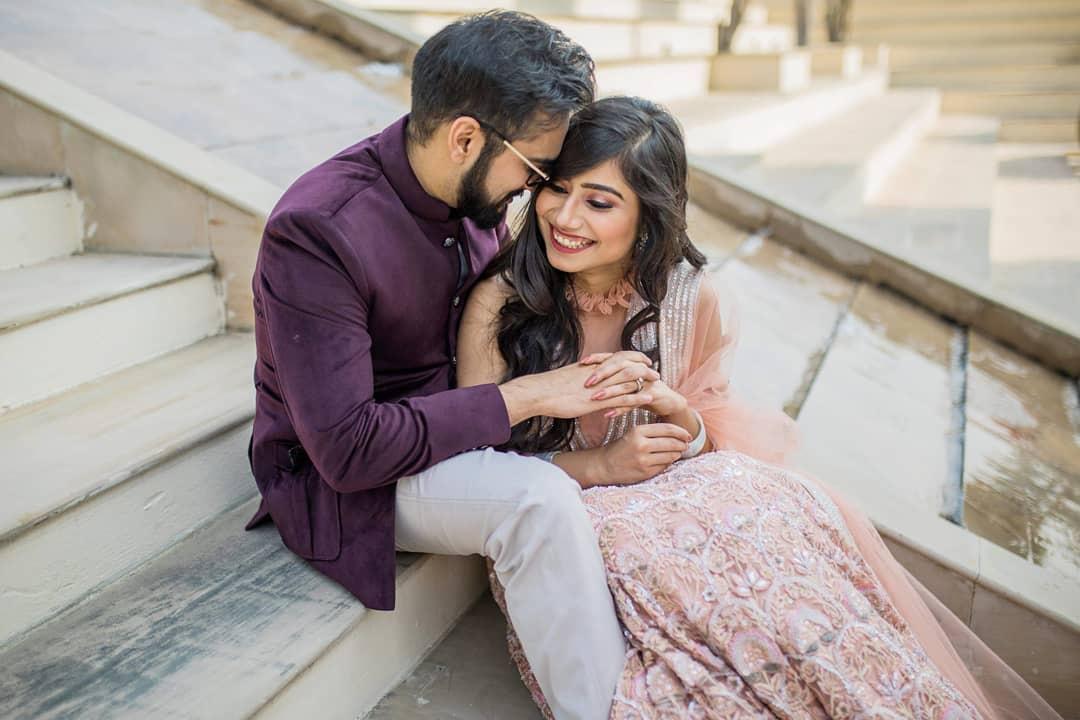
(536, 175)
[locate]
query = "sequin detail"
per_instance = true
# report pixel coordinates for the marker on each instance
(676, 323)
(739, 587)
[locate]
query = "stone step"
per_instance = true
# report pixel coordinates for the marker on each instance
(679, 10)
(842, 161)
(1022, 423)
(40, 218)
(110, 310)
(1033, 227)
(912, 57)
(958, 31)
(663, 80)
(904, 367)
(467, 676)
(605, 39)
(972, 12)
(159, 448)
(929, 240)
(747, 123)
(789, 306)
(231, 624)
(937, 206)
(1037, 103)
(992, 77)
(15, 185)
(1061, 129)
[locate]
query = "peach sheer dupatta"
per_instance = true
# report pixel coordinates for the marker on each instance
(730, 422)
(770, 435)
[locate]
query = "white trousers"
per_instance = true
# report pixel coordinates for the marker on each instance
(527, 516)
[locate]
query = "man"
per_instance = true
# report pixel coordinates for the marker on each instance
(361, 445)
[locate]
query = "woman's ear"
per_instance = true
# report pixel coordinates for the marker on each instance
(464, 140)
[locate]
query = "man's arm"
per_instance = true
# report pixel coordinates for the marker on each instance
(316, 313)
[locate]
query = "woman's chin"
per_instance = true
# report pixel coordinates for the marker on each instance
(565, 263)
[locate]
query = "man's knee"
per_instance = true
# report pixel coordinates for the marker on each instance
(552, 497)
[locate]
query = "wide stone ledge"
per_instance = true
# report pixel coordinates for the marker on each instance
(1024, 328)
(144, 189)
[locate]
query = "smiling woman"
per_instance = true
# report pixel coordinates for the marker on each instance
(616, 199)
(745, 588)
(597, 211)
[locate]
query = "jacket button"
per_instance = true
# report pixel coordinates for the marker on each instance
(453, 360)
(448, 242)
(457, 300)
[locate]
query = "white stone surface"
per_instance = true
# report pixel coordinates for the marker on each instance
(99, 539)
(605, 39)
(230, 624)
(49, 288)
(660, 80)
(841, 161)
(48, 357)
(143, 139)
(784, 72)
(747, 123)
(13, 185)
(113, 429)
(38, 225)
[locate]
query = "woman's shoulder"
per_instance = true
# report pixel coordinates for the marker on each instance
(491, 293)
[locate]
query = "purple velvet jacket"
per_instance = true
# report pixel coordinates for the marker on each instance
(359, 290)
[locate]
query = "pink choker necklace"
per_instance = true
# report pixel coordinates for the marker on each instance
(604, 303)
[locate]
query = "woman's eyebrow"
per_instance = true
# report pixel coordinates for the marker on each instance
(603, 188)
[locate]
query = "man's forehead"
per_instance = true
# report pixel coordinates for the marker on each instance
(545, 144)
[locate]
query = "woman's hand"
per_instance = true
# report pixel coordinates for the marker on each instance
(665, 401)
(643, 452)
(563, 393)
(618, 377)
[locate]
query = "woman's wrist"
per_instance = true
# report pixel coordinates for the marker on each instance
(684, 417)
(587, 467)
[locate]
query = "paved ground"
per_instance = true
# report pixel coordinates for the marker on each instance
(468, 676)
(236, 81)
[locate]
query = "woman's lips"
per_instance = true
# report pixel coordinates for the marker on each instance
(569, 244)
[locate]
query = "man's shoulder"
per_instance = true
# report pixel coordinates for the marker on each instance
(331, 185)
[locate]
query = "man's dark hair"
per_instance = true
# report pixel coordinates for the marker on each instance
(505, 68)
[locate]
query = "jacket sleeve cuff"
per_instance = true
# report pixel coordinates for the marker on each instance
(467, 419)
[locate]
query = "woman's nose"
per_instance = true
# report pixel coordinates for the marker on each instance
(568, 216)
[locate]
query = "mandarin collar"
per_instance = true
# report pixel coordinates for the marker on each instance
(399, 173)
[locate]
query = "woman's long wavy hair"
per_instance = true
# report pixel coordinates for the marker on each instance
(538, 327)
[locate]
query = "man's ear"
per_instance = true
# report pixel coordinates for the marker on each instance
(464, 139)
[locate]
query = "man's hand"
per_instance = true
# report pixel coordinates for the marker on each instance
(614, 377)
(643, 452)
(562, 393)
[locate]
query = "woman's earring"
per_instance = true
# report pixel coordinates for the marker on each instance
(643, 241)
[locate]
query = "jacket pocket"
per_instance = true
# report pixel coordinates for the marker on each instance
(307, 513)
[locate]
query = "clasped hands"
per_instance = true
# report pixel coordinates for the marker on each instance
(619, 382)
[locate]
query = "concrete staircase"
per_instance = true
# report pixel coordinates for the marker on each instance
(128, 583)
(1017, 60)
(117, 380)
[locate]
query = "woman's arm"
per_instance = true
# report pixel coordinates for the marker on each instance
(479, 359)
(480, 362)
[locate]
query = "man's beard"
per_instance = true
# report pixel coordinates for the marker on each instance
(473, 202)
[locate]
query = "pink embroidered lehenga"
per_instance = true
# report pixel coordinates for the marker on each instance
(748, 590)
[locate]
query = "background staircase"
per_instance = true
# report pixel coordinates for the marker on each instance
(1016, 60)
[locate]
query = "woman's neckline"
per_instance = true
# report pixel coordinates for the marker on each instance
(618, 295)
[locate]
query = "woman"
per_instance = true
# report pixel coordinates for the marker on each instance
(745, 589)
